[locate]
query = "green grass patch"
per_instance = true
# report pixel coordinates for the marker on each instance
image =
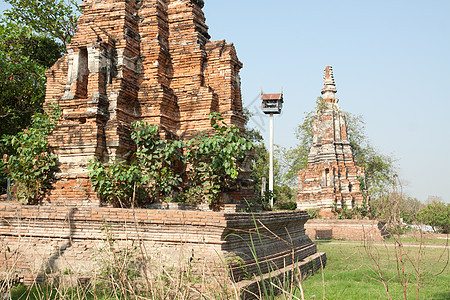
(417, 240)
(40, 292)
(405, 240)
(351, 274)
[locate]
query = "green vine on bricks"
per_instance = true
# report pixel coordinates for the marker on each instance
(116, 182)
(149, 177)
(31, 164)
(314, 213)
(207, 163)
(364, 209)
(157, 159)
(213, 161)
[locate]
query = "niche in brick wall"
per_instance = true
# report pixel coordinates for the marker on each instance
(82, 74)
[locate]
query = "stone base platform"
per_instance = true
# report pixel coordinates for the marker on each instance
(38, 242)
(362, 230)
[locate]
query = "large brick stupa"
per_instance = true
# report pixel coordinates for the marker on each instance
(136, 60)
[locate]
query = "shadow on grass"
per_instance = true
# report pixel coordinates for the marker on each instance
(442, 296)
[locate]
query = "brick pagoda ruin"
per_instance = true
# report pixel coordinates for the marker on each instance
(331, 178)
(136, 61)
(148, 60)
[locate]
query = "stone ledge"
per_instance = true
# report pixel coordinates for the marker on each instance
(68, 237)
(345, 229)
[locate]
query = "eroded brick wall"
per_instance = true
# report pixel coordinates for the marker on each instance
(345, 230)
(41, 241)
(131, 60)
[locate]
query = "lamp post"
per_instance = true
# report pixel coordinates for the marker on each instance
(271, 104)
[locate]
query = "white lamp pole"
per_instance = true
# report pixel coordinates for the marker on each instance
(271, 161)
(271, 104)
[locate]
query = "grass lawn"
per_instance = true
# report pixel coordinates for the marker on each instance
(351, 274)
(416, 240)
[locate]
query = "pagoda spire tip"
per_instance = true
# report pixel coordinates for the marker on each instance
(329, 90)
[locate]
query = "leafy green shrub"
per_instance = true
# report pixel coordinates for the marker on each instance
(156, 171)
(213, 160)
(31, 164)
(157, 159)
(150, 176)
(345, 213)
(117, 183)
(314, 213)
(437, 215)
(286, 205)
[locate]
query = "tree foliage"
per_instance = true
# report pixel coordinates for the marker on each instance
(55, 19)
(436, 214)
(24, 57)
(27, 48)
(380, 170)
(409, 208)
(151, 174)
(33, 35)
(31, 164)
(213, 160)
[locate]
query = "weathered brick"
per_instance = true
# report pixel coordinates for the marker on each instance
(331, 177)
(150, 61)
(35, 238)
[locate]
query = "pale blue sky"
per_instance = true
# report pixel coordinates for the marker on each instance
(391, 61)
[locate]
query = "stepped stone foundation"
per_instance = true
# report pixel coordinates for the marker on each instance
(359, 230)
(331, 179)
(39, 242)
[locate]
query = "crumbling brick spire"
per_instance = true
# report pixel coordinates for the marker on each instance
(329, 90)
(331, 178)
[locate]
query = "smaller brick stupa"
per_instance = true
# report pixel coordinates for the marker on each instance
(331, 179)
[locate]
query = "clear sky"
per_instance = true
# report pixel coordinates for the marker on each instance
(391, 61)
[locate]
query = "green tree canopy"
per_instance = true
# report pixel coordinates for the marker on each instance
(56, 19)
(24, 57)
(33, 36)
(436, 214)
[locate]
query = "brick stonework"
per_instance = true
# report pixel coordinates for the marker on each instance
(130, 60)
(362, 230)
(331, 177)
(33, 238)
